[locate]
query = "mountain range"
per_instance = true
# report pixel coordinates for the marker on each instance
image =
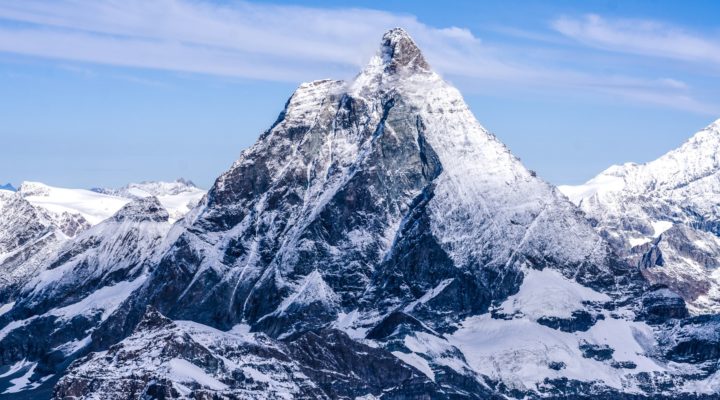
(375, 242)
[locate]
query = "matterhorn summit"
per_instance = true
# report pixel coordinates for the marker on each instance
(375, 242)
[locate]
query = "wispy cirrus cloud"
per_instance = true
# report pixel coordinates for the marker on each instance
(236, 39)
(643, 37)
(292, 43)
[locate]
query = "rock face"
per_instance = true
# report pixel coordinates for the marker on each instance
(376, 242)
(664, 216)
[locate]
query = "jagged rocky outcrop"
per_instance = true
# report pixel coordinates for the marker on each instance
(376, 242)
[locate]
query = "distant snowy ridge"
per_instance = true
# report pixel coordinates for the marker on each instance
(38, 220)
(99, 204)
(665, 215)
(178, 197)
(92, 206)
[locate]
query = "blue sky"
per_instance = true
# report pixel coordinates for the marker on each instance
(101, 93)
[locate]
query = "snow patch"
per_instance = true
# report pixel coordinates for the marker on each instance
(548, 293)
(312, 289)
(6, 307)
(105, 299)
(185, 371)
(659, 227)
(429, 295)
(23, 383)
(416, 361)
(519, 351)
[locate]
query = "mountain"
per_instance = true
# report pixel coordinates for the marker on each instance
(365, 195)
(99, 204)
(664, 216)
(74, 290)
(37, 219)
(375, 242)
(8, 186)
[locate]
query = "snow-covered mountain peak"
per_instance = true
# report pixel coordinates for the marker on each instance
(664, 214)
(398, 62)
(159, 188)
(695, 162)
(144, 209)
(152, 188)
(28, 188)
(346, 173)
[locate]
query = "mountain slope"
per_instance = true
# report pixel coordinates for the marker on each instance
(93, 207)
(99, 204)
(182, 359)
(664, 214)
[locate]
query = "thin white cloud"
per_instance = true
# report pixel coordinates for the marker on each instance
(239, 39)
(288, 43)
(642, 37)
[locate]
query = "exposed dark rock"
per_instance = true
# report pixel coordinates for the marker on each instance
(597, 351)
(580, 321)
(623, 364)
(556, 365)
(661, 304)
